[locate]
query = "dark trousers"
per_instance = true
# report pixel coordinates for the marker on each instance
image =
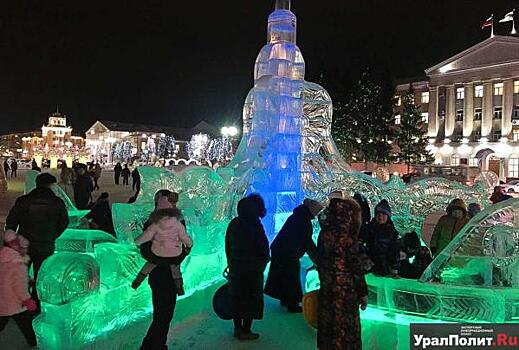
(125, 180)
(36, 261)
(164, 299)
(136, 185)
(13, 173)
(24, 323)
(96, 185)
(116, 178)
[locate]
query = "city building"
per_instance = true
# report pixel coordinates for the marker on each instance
(109, 141)
(54, 141)
(12, 145)
(470, 103)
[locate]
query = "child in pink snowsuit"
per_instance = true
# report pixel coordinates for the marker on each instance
(15, 300)
(167, 235)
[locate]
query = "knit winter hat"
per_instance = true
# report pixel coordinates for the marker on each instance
(383, 207)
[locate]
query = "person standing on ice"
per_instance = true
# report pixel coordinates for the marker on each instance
(289, 246)
(163, 290)
(6, 167)
(16, 302)
(14, 168)
(382, 241)
(118, 169)
(247, 252)
(83, 188)
(136, 180)
(343, 286)
(41, 217)
(449, 226)
(126, 174)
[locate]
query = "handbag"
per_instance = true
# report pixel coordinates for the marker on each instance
(310, 302)
(222, 300)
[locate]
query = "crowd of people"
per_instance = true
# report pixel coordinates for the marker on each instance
(10, 167)
(350, 244)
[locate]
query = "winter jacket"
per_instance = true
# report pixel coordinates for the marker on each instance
(448, 227)
(382, 246)
(125, 173)
(14, 282)
(295, 237)
(167, 237)
(101, 215)
(83, 189)
(39, 216)
(291, 243)
(247, 252)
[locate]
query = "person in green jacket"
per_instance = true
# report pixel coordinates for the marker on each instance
(449, 226)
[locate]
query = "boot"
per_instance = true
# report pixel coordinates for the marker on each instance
(179, 286)
(245, 336)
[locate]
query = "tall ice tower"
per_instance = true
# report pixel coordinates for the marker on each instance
(269, 156)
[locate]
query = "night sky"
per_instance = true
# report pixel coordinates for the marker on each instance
(172, 63)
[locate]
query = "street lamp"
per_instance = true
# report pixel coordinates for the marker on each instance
(229, 131)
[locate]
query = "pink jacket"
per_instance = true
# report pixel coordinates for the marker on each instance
(166, 237)
(14, 282)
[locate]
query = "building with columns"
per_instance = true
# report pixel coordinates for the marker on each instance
(471, 105)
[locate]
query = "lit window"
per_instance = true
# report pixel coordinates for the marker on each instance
(515, 135)
(455, 160)
(513, 166)
(397, 119)
(425, 117)
(398, 100)
(460, 93)
(478, 113)
(473, 161)
(498, 89)
(425, 97)
(459, 115)
(478, 91)
(516, 87)
(498, 112)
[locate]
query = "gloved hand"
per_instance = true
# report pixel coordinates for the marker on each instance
(364, 302)
(30, 304)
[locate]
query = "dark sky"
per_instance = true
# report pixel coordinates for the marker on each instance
(172, 62)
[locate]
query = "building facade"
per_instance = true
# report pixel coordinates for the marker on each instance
(470, 103)
(13, 145)
(109, 141)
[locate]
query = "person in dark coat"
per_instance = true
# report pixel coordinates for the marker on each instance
(343, 286)
(100, 215)
(382, 241)
(118, 169)
(41, 217)
(136, 180)
(499, 195)
(164, 299)
(14, 168)
(34, 165)
(247, 252)
(125, 174)
(83, 188)
(366, 215)
(291, 243)
(6, 167)
(410, 247)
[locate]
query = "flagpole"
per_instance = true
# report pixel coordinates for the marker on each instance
(513, 23)
(492, 26)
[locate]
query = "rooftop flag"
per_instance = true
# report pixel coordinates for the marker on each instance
(508, 17)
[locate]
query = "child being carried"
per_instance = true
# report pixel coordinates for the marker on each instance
(167, 235)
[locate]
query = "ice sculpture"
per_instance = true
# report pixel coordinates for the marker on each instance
(286, 153)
